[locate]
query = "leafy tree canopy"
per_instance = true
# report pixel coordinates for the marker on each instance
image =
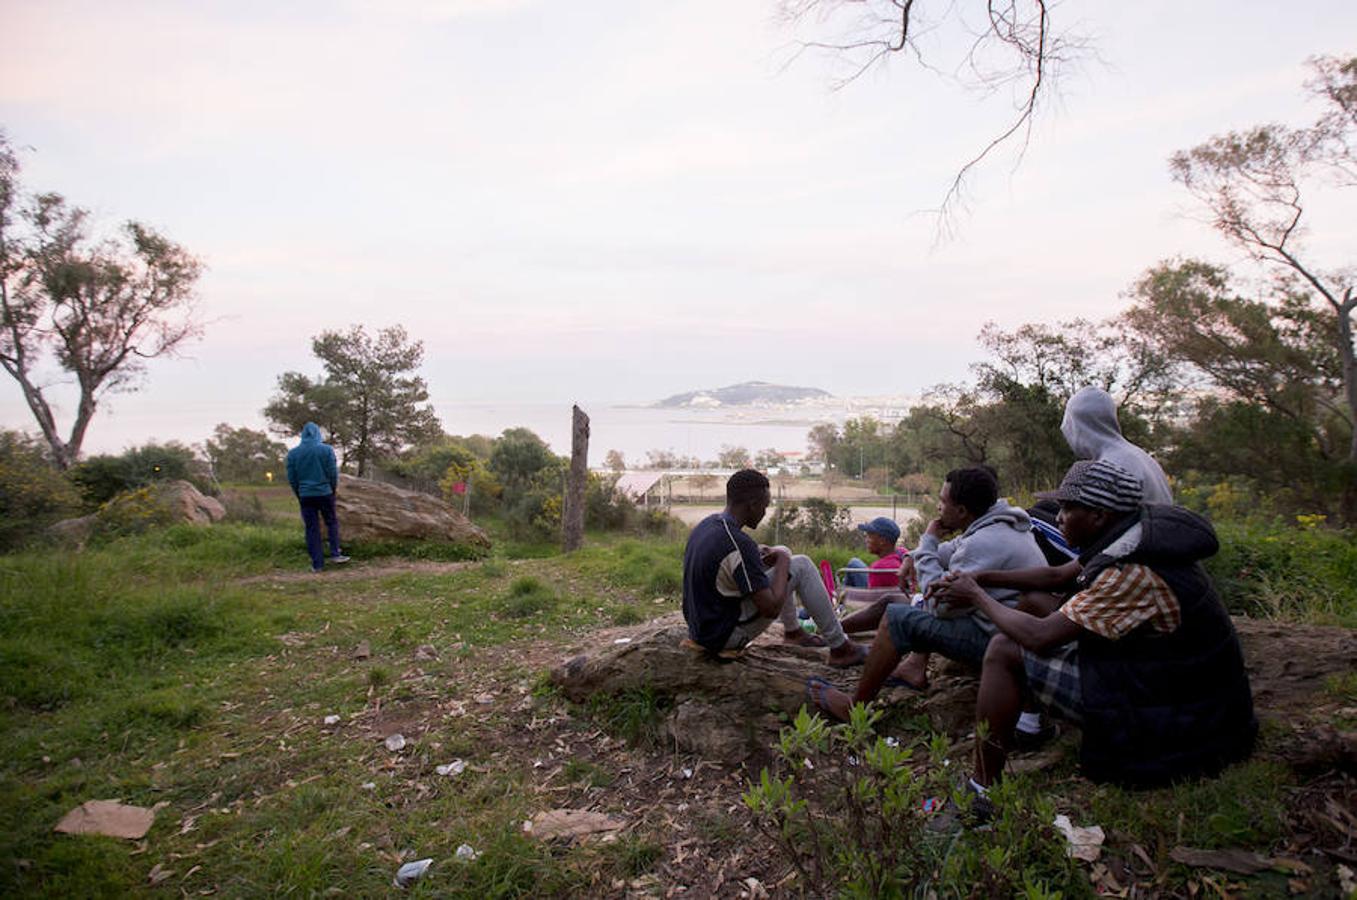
(96, 309)
(369, 401)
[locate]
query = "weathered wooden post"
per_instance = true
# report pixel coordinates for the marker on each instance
(576, 481)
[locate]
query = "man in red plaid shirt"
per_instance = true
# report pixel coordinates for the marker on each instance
(1142, 655)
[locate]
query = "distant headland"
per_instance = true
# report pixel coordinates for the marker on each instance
(748, 393)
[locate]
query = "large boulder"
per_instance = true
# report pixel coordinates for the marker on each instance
(160, 504)
(183, 502)
(73, 532)
(375, 511)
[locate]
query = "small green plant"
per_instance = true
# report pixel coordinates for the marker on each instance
(664, 582)
(632, 856)
(378, 676)
(859, 815)
(587, 772)
(636, 714)
(627, 615)
(246, 508)
(527, 597)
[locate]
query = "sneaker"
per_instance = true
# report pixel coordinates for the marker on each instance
(316, 570)
(981, 811)
(1030, 741)
(341, 558)
(966, 808)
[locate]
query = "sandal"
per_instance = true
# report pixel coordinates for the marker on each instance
(815, 697)
(897, 681)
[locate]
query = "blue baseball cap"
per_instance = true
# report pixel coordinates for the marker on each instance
(882, 526)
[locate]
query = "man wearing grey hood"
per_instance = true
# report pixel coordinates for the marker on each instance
(991, 534)
(1092, 431)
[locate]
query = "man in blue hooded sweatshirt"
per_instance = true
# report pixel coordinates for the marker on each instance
(314, 477)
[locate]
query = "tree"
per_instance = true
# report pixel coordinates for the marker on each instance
(1254, 185)
(1271, 378)
(916, 485)
(519, 455)
(861, 446)
(98, 309)
(821, 441)
(1013, 47)
(1062, 358)
(614, 461)
(702, 481)
(243, 454)
(769, 459)
(368, 401)
(831, 479)
(730, 457)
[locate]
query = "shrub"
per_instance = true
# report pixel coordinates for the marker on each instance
(1301, 573)
(819, 521)
(534, 513)
(33, 494)
(851, 812)
(605, 507)
(527, 597)
(133, 512)
(246, 508)
(101, 478)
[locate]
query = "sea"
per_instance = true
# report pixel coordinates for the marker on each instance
(635, 429)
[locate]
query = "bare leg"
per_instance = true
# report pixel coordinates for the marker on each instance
(1002, 681)
(1042, 604)
(913, 670)
(867, 619)
(881, 660)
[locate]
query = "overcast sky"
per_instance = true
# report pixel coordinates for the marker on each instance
(617, 201)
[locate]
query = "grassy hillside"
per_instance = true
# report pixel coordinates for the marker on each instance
(196, 667)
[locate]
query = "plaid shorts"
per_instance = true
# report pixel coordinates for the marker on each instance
(1054, 680)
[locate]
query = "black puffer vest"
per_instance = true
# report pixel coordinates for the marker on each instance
(1163, 707)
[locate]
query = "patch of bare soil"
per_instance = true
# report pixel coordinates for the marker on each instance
(354, 571)
(481, 706)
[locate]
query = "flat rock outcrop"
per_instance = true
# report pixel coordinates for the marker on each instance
(375, 511)
(730, 710)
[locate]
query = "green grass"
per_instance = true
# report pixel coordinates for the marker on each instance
(636, 714)
(191, 667)
(145, 669)
(1288, 572)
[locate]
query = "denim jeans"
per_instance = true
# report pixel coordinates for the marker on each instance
(313, 508)
(920, 631)
(854, 579)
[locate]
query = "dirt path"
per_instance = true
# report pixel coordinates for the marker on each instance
(361, 571)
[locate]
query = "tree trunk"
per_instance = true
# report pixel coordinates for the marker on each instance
(1349, 367)
(578, 479)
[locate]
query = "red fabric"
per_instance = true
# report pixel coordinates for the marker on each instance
(890, 576)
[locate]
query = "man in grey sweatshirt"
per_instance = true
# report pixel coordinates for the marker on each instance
(993, 535)
(1093, 432)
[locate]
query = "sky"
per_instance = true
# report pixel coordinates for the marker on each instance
(613, 202)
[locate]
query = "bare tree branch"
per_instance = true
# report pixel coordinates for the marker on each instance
(1016, 48)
